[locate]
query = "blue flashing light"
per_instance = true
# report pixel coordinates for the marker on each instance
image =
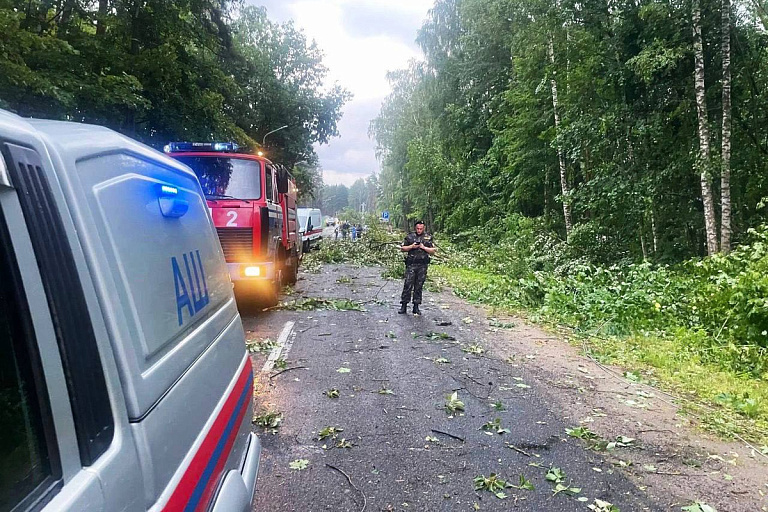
(168, 190)
(223, 147)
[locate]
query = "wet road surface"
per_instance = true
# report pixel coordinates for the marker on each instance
(399, 446)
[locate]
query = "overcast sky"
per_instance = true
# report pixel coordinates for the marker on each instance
(362, 40)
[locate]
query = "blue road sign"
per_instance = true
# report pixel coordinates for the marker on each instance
(385, 215)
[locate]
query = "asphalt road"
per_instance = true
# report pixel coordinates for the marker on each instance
(392, 400)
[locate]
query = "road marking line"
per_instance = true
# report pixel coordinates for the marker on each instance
(281, 340)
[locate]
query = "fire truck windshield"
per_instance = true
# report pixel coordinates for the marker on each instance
(226, 177)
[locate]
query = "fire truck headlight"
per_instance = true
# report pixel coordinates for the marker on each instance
(252, 271)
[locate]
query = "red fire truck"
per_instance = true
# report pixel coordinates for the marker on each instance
(253, 206)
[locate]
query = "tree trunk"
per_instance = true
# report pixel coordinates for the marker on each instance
(725, 170)
(101, 20)
(704, 163)
(653, 230)
(560, 154)
(546, 192)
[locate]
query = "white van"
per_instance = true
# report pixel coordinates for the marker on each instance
(124, 378)
(310, 227)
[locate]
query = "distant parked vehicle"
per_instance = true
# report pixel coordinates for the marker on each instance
(310, 227)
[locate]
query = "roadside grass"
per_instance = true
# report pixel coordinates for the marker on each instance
(724, 401)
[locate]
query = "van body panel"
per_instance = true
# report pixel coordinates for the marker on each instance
(184, 287)
(203, 467)
(169, 336)
(164, 458)
(83, 494)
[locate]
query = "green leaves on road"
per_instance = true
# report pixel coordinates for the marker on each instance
(602, 506)
(557, 477)
(493, 483)
(260, 346)
(453, 404)
(298, 464)
(581, 432)
(268, 420)
(313, 303)
(594, 442)
(494, 322)
(494, 426)
(329, 431)
(435, 336)
(699, 507)
(474, 349)
(331, 393)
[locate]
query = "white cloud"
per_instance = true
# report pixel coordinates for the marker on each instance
(362, 40)
(331, 177)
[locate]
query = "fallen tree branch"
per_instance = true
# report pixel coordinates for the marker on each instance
(737, 436)
(449, 435)
(365, 500)
(287, 370)
(518, 450)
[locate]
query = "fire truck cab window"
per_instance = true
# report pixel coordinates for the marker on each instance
(270, 183)
(225, 177)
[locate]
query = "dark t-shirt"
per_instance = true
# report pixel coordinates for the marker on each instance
(418, 255)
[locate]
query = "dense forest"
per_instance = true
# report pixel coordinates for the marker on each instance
(159, 70)
(633, 129)
(599, 166)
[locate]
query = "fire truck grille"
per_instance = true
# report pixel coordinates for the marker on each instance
(237, 243)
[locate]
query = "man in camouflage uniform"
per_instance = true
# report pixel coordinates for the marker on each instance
(419, 246)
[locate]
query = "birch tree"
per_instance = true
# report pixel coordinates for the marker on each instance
(560, 154)
(725, 170)
(703, 162)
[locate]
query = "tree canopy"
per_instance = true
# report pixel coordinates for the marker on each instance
(161, 70)
(469, 135)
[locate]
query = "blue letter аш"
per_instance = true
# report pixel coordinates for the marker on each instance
(191, 294)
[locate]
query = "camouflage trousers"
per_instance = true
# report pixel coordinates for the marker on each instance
(415, 275)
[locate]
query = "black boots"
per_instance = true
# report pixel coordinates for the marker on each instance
(404, 309)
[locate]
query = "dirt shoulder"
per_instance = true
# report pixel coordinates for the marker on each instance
(673, 461)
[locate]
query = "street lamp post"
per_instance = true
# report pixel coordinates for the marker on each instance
(263, 141)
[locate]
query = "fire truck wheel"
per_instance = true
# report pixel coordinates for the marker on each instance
(292, 270)
(272, 296)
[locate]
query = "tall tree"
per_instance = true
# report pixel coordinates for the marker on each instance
(564, 188)
(725, 155)
(704, 163)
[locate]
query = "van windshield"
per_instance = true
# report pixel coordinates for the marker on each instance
(302, 221)
(226, 178)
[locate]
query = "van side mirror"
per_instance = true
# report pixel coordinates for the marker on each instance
(282, 181)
